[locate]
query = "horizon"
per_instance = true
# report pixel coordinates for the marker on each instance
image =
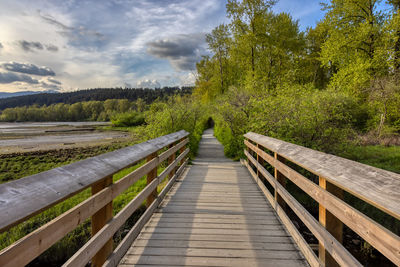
(119, 43)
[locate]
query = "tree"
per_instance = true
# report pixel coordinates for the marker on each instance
(247, 20)
(353, 35)
(219, 42)
(394, 24)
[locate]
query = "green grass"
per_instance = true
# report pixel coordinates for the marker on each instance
(18, 165)
(384, 157)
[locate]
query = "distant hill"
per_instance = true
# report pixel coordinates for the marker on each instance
(101, 94)
(6, 95)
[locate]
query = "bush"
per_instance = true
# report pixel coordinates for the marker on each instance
(322, 120)
(128, 119)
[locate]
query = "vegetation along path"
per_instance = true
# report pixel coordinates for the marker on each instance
(215, 215)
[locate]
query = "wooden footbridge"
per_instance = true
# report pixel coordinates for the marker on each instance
(214, 212)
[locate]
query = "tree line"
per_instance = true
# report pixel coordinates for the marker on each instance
(81, 111)
(97, 94)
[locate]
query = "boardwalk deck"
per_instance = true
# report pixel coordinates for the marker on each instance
(214, 215)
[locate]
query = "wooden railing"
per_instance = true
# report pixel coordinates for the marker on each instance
(23, 198)
(377, 187)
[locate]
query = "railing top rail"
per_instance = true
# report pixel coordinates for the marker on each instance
(378, 187)
(25, 197)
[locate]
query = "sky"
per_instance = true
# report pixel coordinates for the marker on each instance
(65, 45)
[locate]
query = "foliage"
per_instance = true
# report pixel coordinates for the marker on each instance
(115, 109)
(177, 113)
(128, 119)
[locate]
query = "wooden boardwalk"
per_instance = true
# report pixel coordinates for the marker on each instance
(214, 215)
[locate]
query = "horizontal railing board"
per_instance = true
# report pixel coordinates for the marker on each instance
(25, 197)
(32, 245)
(378, 187)
(335, 248)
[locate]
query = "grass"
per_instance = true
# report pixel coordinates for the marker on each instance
(18, 165)
(383, 157)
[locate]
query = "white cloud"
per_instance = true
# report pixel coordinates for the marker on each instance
(148, 84)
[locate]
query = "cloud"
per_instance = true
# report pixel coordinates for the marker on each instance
(52, 48)
(54, 81)
(47, 86)
(28, 69)
(148, 84)
(1, 46)
(183, 51)
(9, 77)
(80, 36)
(30, 46)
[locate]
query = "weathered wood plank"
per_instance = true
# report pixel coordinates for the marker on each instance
(271, 246)
(216, 237)
(332, 245)
(298, 238)
(269, 220)
(99, 219)
(209, 261)
(206, 252)
(82, 256)
(214, 216)
(25, 197)
(378, 187)
(378, 236)
(124, 245)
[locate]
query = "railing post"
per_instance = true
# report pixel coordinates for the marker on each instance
(180, 152)
(150, 177)
(330, 222)
(260, 160)
(99, 219)
(280, 178)
(171, 159)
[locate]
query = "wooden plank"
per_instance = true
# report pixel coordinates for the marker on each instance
(25, 197)
(332, 224)
(124, 245)
(214, 216)
(239, 221)
(206, 252)
(378, 187)
(34, 244)
(216, 237)
(326, 239)
(280, 178)
(197, 225)
(295, 234)
(378, 236)
(211, 204)
(208, 261)
(150, 177)
(190, 229)
(170, 160)
(272, 246)
(250, 232)
(82, 256)
(99, 219)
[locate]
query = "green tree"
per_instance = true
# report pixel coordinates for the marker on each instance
(219, 42)
(354, 30)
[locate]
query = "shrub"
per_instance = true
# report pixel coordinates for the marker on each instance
(128, 119)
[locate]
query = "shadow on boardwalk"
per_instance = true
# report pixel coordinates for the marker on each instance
(214, 215)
